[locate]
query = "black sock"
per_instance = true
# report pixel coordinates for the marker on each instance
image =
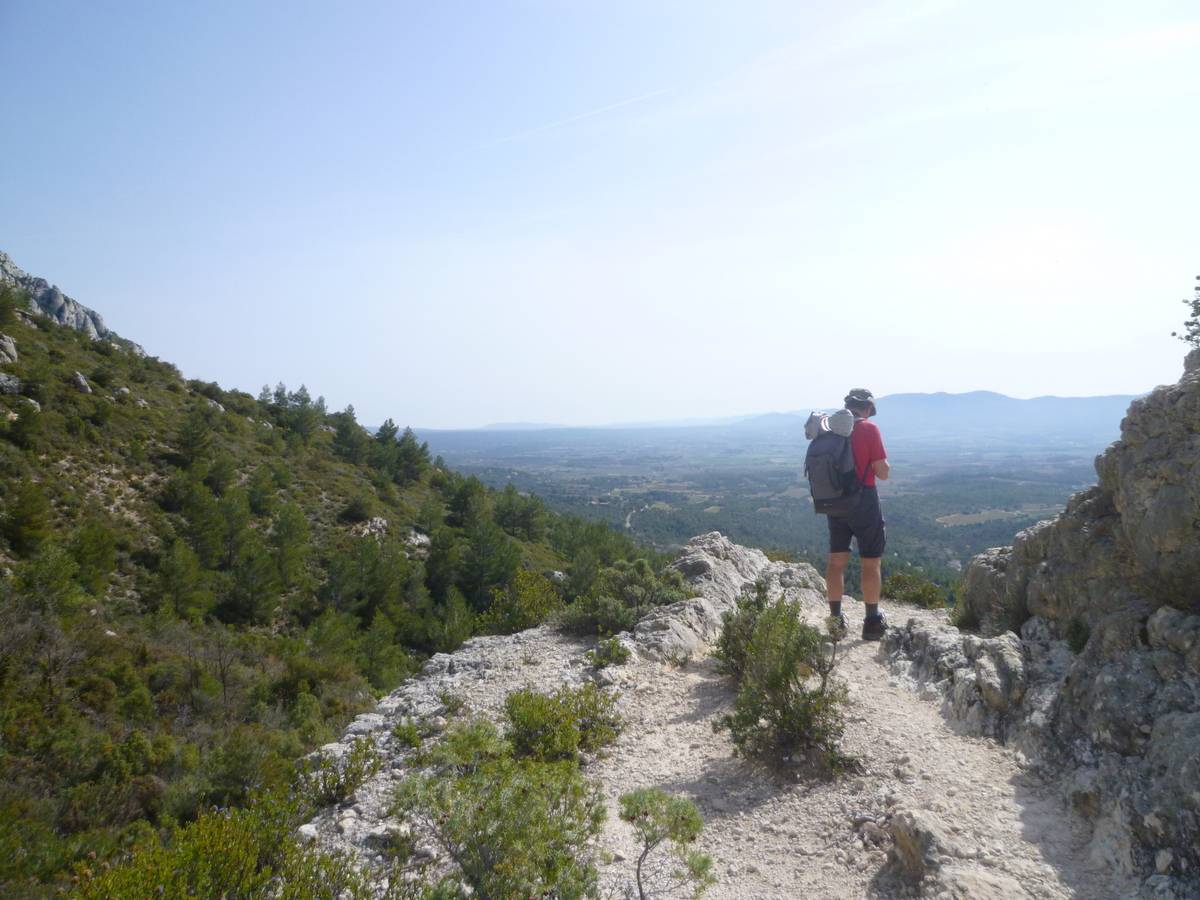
(835, 607)
(872, 610)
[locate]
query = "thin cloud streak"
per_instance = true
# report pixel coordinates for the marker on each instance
(550, 126)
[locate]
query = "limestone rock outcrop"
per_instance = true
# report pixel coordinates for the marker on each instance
(8, 350)
(46, 299)
(719, 570)
(1088, 653)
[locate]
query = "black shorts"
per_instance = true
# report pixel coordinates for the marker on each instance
(865, 524)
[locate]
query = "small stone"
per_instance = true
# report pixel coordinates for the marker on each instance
(1162, 861)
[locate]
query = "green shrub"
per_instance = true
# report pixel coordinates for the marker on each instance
(408, 733)
(333, 780)
(539, 727)
(908, 587)
(514, 828)
(246, 853)
(620, 596)
(26, 524)
(528, 600)
(358, 508)
(609, 652)
(733, 645)
(595, 714)
(452, 703)
(465, 747)
(550, 727)
(657, 819)
(787, 702)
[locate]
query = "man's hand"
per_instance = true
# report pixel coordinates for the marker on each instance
(881, 469)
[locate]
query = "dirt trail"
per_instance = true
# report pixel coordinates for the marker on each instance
(777, 839)
(1006, 835)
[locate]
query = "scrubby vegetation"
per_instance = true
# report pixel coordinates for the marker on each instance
(787, 704)
(249, 853)
(620, 595)
(663, 821)
(1191, 325)
(608, 652)
(550, 727)
(202, 585)
(908, 587)
(514, 816)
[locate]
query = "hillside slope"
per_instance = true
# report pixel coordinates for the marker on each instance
(199, 586)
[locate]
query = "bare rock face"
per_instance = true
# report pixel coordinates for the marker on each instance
(47, 300)
(1102, 688)
(8, 350)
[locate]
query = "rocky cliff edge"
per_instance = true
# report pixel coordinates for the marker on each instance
(1087, 652)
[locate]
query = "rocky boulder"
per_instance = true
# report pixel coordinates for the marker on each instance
(8, 350)
(719, 570)
(9, 384)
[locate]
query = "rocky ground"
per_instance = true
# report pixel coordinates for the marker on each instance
(935, 812)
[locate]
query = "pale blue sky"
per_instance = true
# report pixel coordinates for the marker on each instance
(583, 212)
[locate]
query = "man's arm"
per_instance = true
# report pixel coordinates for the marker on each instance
(881, 469)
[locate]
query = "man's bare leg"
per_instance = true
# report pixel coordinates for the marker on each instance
(835, 578)
(872, 580)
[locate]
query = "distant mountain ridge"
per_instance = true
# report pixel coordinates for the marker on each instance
(910, 416)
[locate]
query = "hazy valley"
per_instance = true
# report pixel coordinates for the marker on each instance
(969, 470)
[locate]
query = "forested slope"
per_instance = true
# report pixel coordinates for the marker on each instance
(200, 586)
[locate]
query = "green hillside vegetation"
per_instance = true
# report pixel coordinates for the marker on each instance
(196, 591)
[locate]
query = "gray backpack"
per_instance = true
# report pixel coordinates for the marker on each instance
(829, 463)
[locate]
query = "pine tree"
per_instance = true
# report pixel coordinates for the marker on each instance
(27, 523)
(289, 544)
(94, 549)
(181, 582)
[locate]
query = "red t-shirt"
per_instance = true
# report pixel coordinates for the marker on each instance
(867, 443)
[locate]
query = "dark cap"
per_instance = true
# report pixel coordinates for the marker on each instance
(861, 397)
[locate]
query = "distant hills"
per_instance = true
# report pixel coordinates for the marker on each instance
(913, 417)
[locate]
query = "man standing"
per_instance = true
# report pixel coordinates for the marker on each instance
(865, 523)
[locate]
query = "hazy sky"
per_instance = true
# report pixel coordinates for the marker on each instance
(582, 212)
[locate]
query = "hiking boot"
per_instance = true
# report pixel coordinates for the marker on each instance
(874, 627)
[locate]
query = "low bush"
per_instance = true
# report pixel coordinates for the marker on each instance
(247, 853)
(787, 702)
(609, 652)
(620, 596)
(528, 600)
(408, 733)
(331, 780)
(513, 827)
(737, 629)
(551, 727)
